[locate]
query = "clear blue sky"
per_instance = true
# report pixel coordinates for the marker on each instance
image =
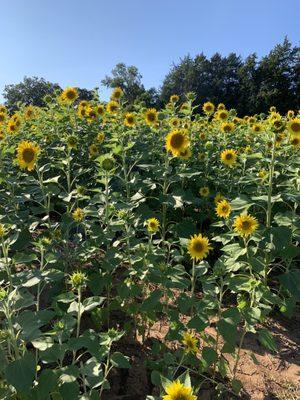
(74, 42)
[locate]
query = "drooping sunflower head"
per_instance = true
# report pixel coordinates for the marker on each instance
(78, 214)
(198, 247)
(272, 109)
(190, 343)
(93, 150)
(178, 391)
(117, 93)
(204, 191)
(223, 209)
(208, 107)
(152, 225)
(69, 95)
(294, 126)
(227, 127)
(129, 120)
(228, 157)
(112, 107)
(245, 224)
(27, 154)
(151, 116)
(177, 141)
(174, 98)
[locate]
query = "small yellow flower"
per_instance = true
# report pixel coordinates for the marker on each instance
(228, 157)
(198, 247)
(204, 191)
(208, 107)
(262, 173)
(245, 224)
(177, 391)
(223, 209)
(152, 225)
(78, 214)
(27, 154)
(190, 342)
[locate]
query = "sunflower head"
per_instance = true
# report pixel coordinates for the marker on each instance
(295, 141)
(204, 191)
(245, 224)
(227, 127)
(221, 106)
(222, 115)
(78, 214)
(77, 279)
(112, 107)
(208, 107)
(69, 95)
(3, 109)
(223, 209)
(293, 126)
(152, 225)
(117, 93)
(174, 98)
(177, 141)
(178, 391)
(2, 117)
(174, 122)
(72, 142)
(100, 137)
(190, 343)
(129, 120)
(27, 154)
(151, 116)
(93, 150)
(218, 197)
(185, 154)
(198, 247)
(257, 128)
(262, 173)
(29, 112)
(228, 157)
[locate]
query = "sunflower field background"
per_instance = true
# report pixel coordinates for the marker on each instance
(114, 219)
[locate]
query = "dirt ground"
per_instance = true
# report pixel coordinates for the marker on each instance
(265, 375)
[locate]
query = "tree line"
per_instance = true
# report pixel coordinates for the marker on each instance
(249, 85)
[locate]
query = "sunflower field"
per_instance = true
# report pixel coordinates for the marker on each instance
(116, 219)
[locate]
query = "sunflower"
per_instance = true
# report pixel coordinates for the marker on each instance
(178, 391)
(295, 141)
(27, 154)
(272, 109)
(129, 120)
(12, 126)
(174, 98)
(190, 342)
(198, 247)
(78, 214)
(112, 107)
(177, 141)
(262, 173)
(223, 209)
(202, 135)
(81, 112)
(100, 137)
(185, 154)
(91, 113)
(221, 106)
(2, 230)
(290, 114)
(3, 108)
(152, 225)
(228, 157)
(293, 126)
(218, 197)
(100, 109)
(29, 112)
(93, 150)
(151, 116)
(72, 142)
(257, 128)
(208, 107)
(204, 191)
(227, 127)
(245, 224)
(69, 95)
(175, 122)
(117, 93)
(83, 103)
(222, 115)
(2, 117)
(251, 120)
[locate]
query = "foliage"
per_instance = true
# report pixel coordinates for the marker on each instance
(112, 221)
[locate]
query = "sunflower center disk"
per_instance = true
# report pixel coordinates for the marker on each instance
(28, 155)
